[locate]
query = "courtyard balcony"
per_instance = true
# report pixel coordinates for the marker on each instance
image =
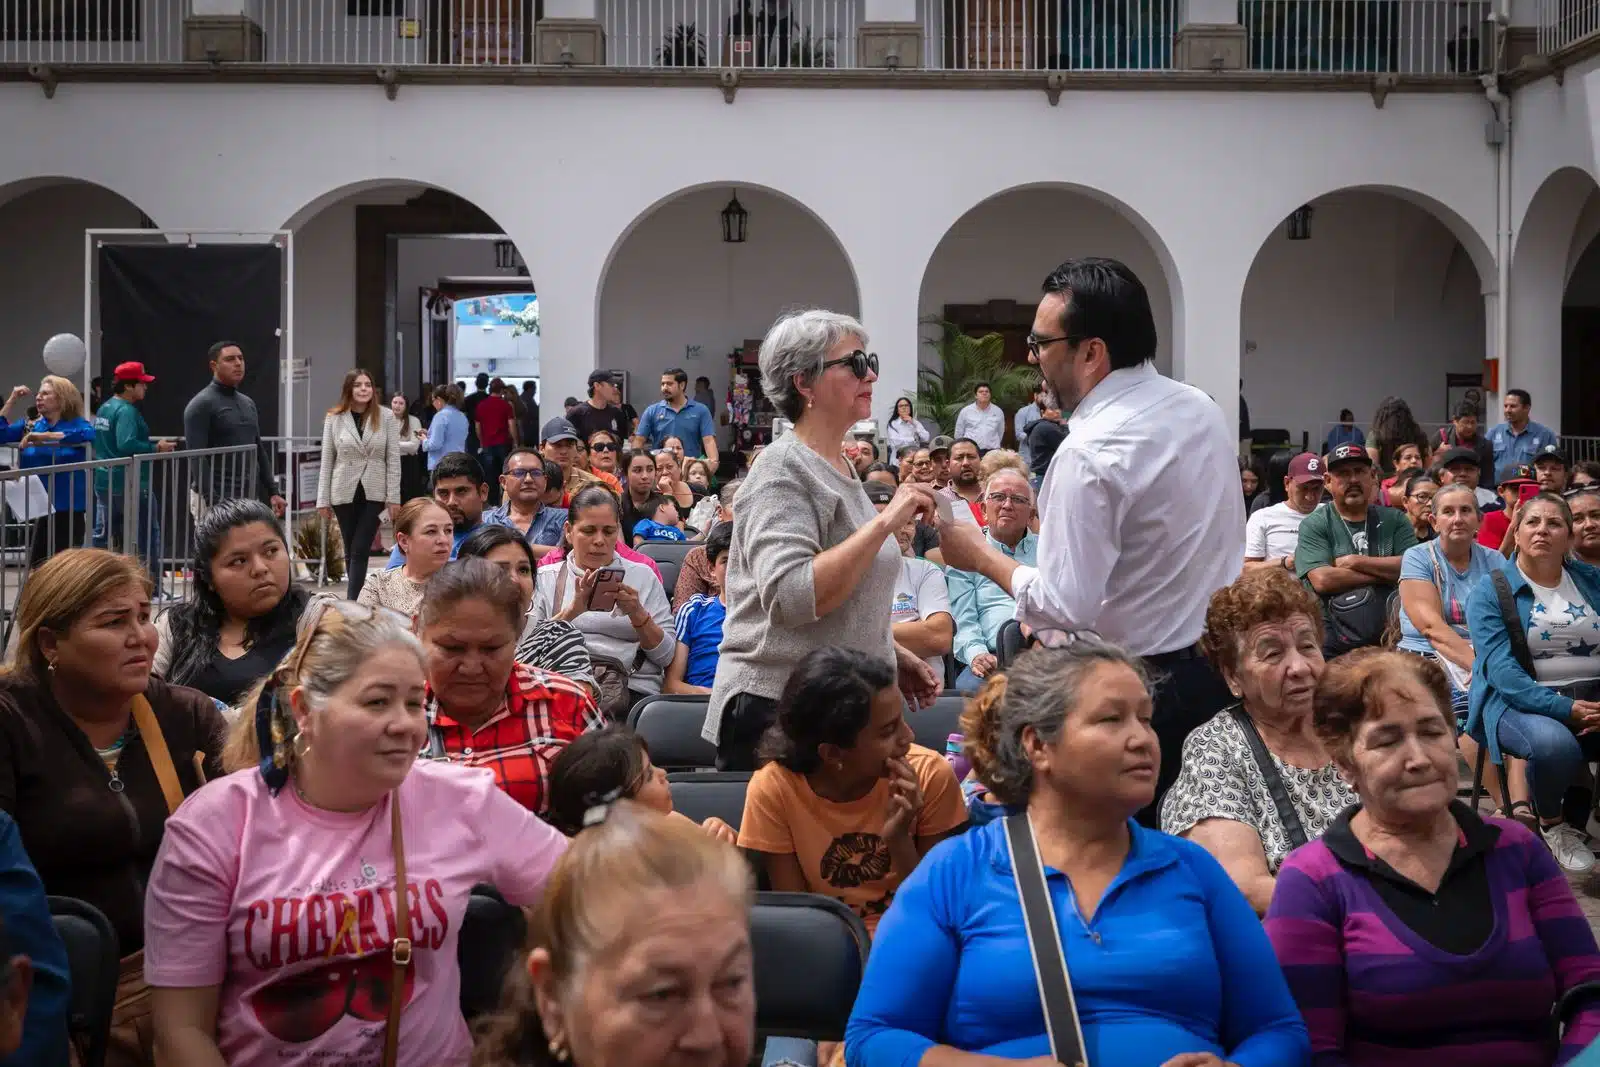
(1409, 38)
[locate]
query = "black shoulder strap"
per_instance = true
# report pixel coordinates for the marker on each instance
(1508, 612)
(1287, 816)
(1044, 943)
(1372, 530)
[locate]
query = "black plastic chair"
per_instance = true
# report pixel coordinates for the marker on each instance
(670, 725)
(702, 794)
(932, 726)
(1009, 643)
(667, 555)
(810, 952)
(94, 961)
(492, 936)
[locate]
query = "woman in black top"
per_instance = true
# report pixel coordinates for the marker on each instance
(240, 620)
(638, 472)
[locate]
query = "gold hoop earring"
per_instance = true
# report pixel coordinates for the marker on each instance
(302, 747)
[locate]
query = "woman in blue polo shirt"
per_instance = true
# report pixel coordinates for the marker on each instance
(57, 436)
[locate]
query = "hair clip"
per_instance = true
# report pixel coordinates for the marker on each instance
(600, 807)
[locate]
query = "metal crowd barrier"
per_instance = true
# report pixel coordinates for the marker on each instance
(297, 461)
(145, 505)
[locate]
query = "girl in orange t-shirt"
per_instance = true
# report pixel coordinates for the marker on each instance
(846, 805)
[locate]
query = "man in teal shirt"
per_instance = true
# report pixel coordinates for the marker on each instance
(979, 605)
(120, 431)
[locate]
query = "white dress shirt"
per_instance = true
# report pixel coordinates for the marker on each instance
(987, 428)
(1140, 515)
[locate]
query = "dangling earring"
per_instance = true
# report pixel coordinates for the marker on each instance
(558, 1051)
(302, 747)
(51, 667)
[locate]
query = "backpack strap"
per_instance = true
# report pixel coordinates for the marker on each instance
(1513, 621)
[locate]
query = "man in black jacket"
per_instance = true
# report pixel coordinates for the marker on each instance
(220, 416)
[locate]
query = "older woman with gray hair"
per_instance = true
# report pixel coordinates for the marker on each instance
(813, 562)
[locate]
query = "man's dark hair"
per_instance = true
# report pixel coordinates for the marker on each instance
(120, 386)
(1346, 415)
(702, 378)
(719, 542)
(982, 385)
(653, 503)
(215, 351)
(457, 465)
(968, 441)
(1466, 409)
(677, 373)
(524, 450)
(1522, 395)
(878, 466)
(97, 382)
(481, 381)
(1106, 300)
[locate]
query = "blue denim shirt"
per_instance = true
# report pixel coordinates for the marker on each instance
(981, 607)
(1498, 680)
(546, 527)
(1511, 447)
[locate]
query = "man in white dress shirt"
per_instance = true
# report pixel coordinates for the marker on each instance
(981, 420)
(1140, 510)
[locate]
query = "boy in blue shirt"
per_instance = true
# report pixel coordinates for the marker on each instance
(699, 623)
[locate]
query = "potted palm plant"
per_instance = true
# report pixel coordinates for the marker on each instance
(962, 362)
(683, 46)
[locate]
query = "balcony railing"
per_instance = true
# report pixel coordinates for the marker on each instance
(1411, 37)
(1564, 22)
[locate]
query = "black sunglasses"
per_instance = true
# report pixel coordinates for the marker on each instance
(861, 363)
(602, 446)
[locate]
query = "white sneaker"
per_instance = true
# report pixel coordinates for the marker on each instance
(1570, 848)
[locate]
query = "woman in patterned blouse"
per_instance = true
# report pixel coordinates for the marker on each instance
(1264, 633)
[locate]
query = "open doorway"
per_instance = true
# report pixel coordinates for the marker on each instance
(480, 326)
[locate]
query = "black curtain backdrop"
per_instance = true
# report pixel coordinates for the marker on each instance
(164, 305)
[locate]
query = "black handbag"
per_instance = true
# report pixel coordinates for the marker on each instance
(1044, 945)
(1356, 618)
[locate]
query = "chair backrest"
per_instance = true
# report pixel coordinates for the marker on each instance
(492, 935)
(702, 794)
(670, 725)
(94, 961)
(932, 726)
(810, 952)
(666, 551)
(1011, 642)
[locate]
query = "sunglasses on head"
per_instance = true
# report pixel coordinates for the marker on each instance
(860, 363)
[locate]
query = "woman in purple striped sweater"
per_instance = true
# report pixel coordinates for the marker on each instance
(1415, 932)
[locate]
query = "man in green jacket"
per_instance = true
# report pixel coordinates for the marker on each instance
(120, 431)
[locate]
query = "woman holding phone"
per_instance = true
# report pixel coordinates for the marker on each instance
(617, 604)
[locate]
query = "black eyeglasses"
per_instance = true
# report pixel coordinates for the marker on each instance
(861, 363)
(522, 474)
(602, 446)
(1035, 342)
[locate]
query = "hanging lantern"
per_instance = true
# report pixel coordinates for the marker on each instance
(1298, 228)
(734, 221)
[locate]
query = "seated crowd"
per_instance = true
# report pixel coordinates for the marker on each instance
(288, 805)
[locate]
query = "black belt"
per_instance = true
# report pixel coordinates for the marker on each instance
(1177, 655)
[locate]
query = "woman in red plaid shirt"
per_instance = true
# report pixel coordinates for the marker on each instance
(484, 708)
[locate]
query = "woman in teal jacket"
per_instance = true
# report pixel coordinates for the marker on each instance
(57, 436)
(1536, 708)
(1169, 963)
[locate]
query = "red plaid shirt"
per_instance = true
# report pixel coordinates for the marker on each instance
(542, 712)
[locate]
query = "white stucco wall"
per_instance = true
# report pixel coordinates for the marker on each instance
(1204, 177)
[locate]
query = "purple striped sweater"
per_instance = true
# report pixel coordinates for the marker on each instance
(1375, 994)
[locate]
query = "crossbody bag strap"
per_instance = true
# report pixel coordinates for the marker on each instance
(1513, 621)
(561, 590)
(400, 951)
(1044, 944)
(1287, 816)
(155, 744)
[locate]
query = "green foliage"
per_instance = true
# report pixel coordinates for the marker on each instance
(325, 558)
(963, 362)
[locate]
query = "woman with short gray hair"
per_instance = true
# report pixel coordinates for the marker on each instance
(1169, 964)
(813, 563)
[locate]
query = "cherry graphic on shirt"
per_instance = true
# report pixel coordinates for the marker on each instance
(306, 1005)
(855, 859)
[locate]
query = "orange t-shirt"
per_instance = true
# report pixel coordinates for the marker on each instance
(838, 845)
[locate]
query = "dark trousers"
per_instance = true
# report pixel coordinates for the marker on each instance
(744, 719)
(358, 525)
(56, 532)
(493, 459)
(1188, 692)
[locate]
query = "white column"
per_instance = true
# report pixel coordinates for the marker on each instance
(1535, 363)
(890, 288)
(1206, 348)
(568, 313)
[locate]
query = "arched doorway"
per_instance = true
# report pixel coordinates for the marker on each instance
(676, 293)
(1369, 294)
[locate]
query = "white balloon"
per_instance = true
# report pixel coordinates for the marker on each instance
(64, 354)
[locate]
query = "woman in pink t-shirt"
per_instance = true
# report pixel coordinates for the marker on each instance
(274, 933)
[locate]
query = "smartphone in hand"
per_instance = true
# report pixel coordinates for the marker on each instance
(604, 595)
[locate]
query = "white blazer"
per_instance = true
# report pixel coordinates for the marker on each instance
(370, 460)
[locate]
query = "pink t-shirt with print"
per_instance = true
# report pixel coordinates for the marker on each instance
(290, 909)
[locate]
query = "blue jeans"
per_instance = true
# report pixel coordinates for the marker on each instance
(108, 519)
(1555, 758)
(967, 683)
(789, 1052)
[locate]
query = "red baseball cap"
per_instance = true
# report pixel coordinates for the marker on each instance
(131, 372)
(1306, 467)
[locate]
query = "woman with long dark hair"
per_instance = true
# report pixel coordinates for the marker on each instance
(1393, 425)
(360, 472)
(240, 619)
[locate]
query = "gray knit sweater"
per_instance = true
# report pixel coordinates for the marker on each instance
(794, 505)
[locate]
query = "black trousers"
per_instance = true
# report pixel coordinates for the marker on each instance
(744, 719)
(1188, 692)
(55, 533)
(358, 525)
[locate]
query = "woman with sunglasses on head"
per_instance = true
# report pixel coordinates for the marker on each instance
(814, 563)
(95, 754)
(240, 617)
(276, 927)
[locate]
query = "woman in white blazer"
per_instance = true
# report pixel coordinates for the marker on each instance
(360, 470)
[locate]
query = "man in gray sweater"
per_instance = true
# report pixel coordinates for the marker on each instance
(220, 416)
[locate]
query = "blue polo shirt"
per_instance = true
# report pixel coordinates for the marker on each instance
(689, 425)
(699, 629)
(1511, 447)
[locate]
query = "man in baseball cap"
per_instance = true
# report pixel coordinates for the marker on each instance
(558, 443)
(120, 431)
(939, 452)
(1462, 466)
(1496, 529)
(1550, 469)
(1273, 533)
(602, 410)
